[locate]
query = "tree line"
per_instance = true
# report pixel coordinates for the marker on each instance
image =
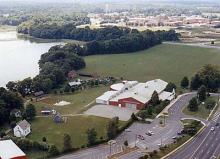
(130, 42)
(8, 101)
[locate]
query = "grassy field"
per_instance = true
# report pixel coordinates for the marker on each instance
(77, 99)
(202, 111)
(76, 126)
(166, 61)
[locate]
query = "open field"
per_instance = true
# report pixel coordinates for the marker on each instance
(168, 62)
(75, 126)
(77, 99)
(202, 111)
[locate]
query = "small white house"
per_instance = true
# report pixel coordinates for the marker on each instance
(22, 129)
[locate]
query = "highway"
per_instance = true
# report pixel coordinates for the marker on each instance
(204, 146)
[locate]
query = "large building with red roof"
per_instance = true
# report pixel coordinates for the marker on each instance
(9, 150)
(135, 95)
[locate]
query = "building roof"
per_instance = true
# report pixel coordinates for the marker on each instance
(74, 83)
(107, 95)
(15, 111)
(40, 93)
(141, 91)
(23, 124)
(167, 95)
(8, 149)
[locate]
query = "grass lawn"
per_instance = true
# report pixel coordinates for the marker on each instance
(77, 99)
(166, 61)
(75, 126)
(202, 111)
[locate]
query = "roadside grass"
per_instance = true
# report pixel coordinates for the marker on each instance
(76, 127)
(165, 61)
(202, 112)
(77, 99)
(171, 147)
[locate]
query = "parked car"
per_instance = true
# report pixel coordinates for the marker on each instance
(141, 137)
(212, 128)
(217, 124)
(174, 137)
(127, 130)
(149, 134)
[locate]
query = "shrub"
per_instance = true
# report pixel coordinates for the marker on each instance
(53, 151)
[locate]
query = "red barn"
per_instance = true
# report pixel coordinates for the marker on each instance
(135, 95)
(9, 150)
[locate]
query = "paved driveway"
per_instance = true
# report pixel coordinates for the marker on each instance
(108, 111)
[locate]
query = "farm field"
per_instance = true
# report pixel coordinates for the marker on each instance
(166, 61)
(78, 100)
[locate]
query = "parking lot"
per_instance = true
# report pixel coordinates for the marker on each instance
(108, 111)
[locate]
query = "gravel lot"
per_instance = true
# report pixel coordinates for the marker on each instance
(108, 111)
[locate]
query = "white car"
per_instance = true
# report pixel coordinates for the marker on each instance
(151, 132)
(127, 130)
(212, 128)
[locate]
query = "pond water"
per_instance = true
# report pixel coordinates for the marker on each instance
(19, 56)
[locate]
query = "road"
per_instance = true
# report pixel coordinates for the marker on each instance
(205, 146)
(162, 135)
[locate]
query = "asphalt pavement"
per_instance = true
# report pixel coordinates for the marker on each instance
(161, 135)
(205, 145)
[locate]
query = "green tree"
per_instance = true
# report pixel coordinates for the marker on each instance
(53, 151)
(202, 93)
(30, 111)
(126, 143)
(91, 136)
(193, 104)
(195, 82)
(155, 99)
(170, 86)
(210, 104)
(67, 143)
(112, 128)
(184, 82)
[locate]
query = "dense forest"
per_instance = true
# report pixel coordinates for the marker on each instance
(130, 42)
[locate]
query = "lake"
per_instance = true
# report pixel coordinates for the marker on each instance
(19, 56)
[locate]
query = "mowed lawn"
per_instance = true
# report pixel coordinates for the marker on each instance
(76, 127)
(78, 100)
(202, 112)
(166, 61)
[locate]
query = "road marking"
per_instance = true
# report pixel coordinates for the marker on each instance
(200, 144)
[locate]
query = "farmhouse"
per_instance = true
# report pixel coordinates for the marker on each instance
(134, 95)
(22, 129)
(9, 150)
